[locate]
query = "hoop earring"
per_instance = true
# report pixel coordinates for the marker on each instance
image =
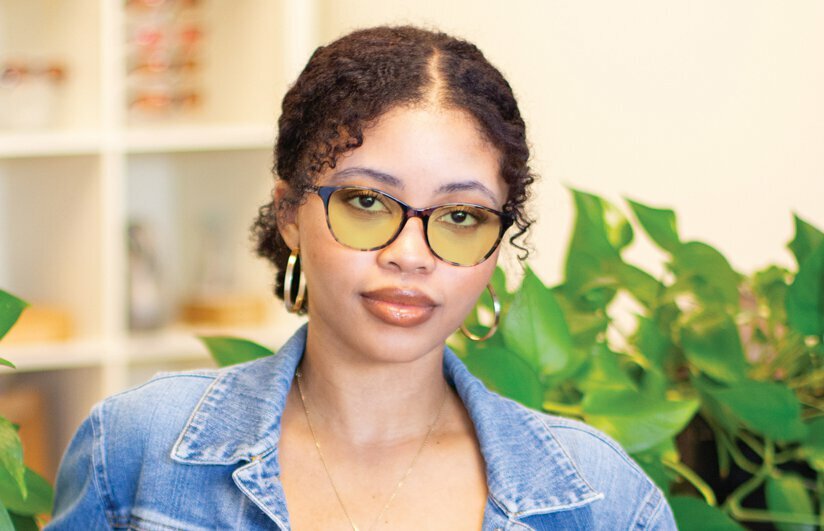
(496, 307)
(295, 306)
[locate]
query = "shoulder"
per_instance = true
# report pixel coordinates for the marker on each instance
(628, 493)
(139, 427)
(589, 447)
(164, 404)
(119, 466)
(627, 497)
(583, 444)
(164, 401)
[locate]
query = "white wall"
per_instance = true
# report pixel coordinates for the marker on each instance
(715, 109)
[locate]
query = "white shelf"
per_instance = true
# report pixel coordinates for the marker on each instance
(49, 143)
(53, 356)
(182, 344)
(68, 193)
(175, 138)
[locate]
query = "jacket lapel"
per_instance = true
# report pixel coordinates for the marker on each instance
(528, 471)
(259, 482)
(238, 420)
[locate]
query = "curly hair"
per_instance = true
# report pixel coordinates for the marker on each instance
(349, 84)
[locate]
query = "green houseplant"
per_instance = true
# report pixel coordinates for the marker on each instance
(740, 355)
(24, 495)
(653, 360)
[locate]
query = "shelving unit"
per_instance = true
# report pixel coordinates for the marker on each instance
(68, 192)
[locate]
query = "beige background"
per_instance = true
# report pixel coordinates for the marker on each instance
(713, 108)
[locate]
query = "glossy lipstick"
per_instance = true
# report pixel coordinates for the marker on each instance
(399, 307)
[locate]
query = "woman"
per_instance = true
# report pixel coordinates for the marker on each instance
(402, 162)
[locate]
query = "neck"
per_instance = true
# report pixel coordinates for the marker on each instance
(371, 402)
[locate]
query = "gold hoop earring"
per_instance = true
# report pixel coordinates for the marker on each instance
(496, 307)
(295, 306)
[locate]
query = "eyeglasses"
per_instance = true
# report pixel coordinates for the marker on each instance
(365, 219)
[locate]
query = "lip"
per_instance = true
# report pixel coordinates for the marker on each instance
(399, 307)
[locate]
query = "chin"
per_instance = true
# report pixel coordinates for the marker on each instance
(396, 344)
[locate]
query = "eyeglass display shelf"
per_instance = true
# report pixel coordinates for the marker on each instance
(18, 144)
(56, 355)
(69, 190)
(196, 137)
(181, 343)
(143, 139)
(173, 344)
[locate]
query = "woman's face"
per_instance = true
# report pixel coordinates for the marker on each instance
(400, 302)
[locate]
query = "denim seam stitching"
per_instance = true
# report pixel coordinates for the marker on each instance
(137, 520)
(659, 508)
(176, 447)
(598, 495)
(253, 495)
(632, 464)
(165, 376)
(648, 509)
(512, 524)
(100, 477)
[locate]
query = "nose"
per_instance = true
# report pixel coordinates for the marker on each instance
(409, 252)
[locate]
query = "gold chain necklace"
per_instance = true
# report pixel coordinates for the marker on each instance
(299, 379)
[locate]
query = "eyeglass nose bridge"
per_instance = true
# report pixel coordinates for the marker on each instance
(410, 212)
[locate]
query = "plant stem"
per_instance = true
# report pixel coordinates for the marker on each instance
(811, 414)
(720, 447)
(721, 440)
(564, 409)
(788, 455)
(723, 458)
(810, 401)
(733, 503)
(739, 459)
(732, 449)
(695, 480)
(630, 350)
(806, 379)
(754, 444)
(760, 515)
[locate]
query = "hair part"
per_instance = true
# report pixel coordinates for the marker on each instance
(348, 85)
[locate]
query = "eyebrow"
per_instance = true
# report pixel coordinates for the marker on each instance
(467, 185)
(379, 176)
(393, 181)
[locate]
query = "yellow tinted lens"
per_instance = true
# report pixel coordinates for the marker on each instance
(463, 234)
(363, 219)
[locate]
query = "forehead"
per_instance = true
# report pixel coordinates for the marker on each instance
(427, 150)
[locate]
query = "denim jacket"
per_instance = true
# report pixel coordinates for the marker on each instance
(199, 450)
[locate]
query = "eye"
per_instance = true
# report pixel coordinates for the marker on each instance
(463, 217)
(366, 201)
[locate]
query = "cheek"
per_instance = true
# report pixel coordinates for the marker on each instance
(466, 287)
(317, 249)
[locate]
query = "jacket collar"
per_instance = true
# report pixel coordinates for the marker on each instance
(238, 419)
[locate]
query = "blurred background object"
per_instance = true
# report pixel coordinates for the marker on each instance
(39, 324)
(163, 59)
(29, 94)
(145, 305)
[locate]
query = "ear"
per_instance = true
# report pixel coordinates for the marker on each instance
(287, 217)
